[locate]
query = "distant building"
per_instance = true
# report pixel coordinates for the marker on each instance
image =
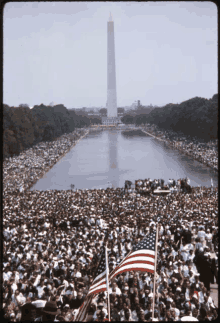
(110, 121)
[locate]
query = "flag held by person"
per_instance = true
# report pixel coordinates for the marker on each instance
(141, 258)
(98, 285)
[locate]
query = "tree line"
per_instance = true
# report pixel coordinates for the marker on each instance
(24, 127)
(196, 117)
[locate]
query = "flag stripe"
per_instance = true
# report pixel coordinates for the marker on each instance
(98, 284)
(101, 271)
(140, 252)
(98, 280)
(141, 259)
(99, 290)
(99, 277)
(84, 309)
(135, 268)
(139, 262)
(141, 267)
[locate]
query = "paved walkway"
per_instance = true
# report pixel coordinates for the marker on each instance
(150, 134)
(214, 293)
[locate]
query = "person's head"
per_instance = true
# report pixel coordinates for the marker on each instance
(136, 300)
(206, 298)
(101, 316)
(195, 312)
(16, 292)
(172, 312)
(127, 314)
(188, 284)
(80, 295)
(125, 306)
(141, 315)
(168, 314)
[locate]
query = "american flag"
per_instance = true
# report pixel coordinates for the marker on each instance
(142, 257)
(98, 285)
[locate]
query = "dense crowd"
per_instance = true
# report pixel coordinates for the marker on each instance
(204, 152)
(53, 240)
(149, 186)
(35, 161)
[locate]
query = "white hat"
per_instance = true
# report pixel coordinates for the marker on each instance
(169, 300)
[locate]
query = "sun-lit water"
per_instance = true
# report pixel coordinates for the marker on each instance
(109, 158)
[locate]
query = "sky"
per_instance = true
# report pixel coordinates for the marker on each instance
(165, 52)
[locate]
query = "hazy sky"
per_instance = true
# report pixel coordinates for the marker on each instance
(57, 51)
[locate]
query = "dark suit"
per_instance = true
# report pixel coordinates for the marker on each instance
(76, 303)
(59, 272)
(50, 273)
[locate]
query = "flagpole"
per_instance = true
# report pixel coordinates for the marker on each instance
(155, 270)
(107, 285)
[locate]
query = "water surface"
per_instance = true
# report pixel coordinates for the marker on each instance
(109, 158)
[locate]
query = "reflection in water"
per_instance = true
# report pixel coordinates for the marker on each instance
(109, 156)
(113, 157)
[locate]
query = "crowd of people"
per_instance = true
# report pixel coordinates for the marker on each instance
(206, 153)
(36, 161)
(53, 241)
(149, 186)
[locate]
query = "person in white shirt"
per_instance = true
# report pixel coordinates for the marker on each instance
(37, 280)
(191, 255)
(184, 252)
(210, 300)
(40, 289)
(114, 289)
(202, 293)
(202, 235)
(208, 238)
(77, 274)
(20, 298)
(14, 287)
(7, 275)
(186, 268)
(142, 282)
(99, 222)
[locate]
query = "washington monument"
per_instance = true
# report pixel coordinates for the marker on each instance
(111, 76)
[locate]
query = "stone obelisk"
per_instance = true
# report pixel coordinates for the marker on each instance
(111, 75)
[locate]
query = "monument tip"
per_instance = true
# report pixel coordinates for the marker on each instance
(110, 17)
